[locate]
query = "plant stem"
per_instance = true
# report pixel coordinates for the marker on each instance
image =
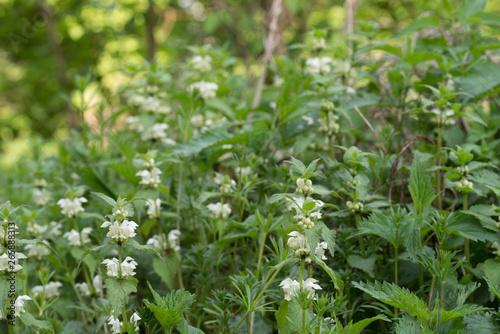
(261, 253)
(467, 242)
(396, 272)
(442, 293)
(432, 290)
(361, 242)
(125, 323)
(301, 277)
(438, 163)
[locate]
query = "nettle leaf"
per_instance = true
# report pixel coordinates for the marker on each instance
(488, 179)
(492, 271)
(358, 327)
(298, 167)
(419, 24)
(106, 199)
(337, 281)
(392, 226)
(138, 246)
(420, 187)
(184, 328)
(118, 292)
(479, 323)
(493, 287)
(167, 269)
(468, 226)
(168, 310)
(309, 206)
(210, 138)
(4, 293)
(30, 321)
(90, 260)
(288, 312)
(367, 265)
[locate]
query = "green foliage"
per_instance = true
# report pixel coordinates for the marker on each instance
(119, 292)
(420, 188)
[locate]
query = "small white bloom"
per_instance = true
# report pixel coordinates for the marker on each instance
(38, 251)
(310, 286)
(157, 241)
(51, 290)
(320, 250)
(6, 265)
(197, 120)
(219, 211)
(318, 65)
(53, 229)
(41, 196)
(71, 206)
(154, 205)
(97, 284)
(309, 120)
(120, 232)
(150, 178)
(290, 288)
(128, 267)
(115, 325)
(112, 266)
(206, 89)
(83, 288)
(134, 124)
(134, 319)
(242, 170)
(19, 305)
(73, 237)
(202, 63)
(298, 242)
(156, 132)
(173, 240)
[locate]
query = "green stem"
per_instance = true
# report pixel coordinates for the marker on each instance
(125, 322)
(396, 273)
(301, 278)
(438, 163)
(432, 290)
(361, 242)
(442, 294)
(261, 253)
(467, 242)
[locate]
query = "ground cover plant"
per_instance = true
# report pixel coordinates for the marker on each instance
(351, 189)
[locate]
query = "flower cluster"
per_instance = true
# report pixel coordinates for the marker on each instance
(70, 207)
(318, 65)
(219, 210)
(292, 287)
(206, 89)
(77, 239)
(41, 196)
(465, 185)
(120, 231)
(19, 305)
(201, 63)
(304, 186)
(50, 290)
(38, 251)
(298, 242)
(160, 241)
(127, 267)
(153, 205)
(83, 289)
(8, 267)
(354, 207)
(328, 123)
(150, 176)
(155, 132)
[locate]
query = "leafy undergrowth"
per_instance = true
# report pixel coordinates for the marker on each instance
(360, 195)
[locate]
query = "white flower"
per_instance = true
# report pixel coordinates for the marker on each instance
(304, 186)
(290, 288)
(150, 178)
(134, 124)
(53, 229)
(51, 290)
(197, 121)
(6, 265)
(97, 284)
(157, 241)
(41, 196)
(71, 206)
(38, 251)
(310, 286)
(154, 105)
(206, 89)
(33, 228)
(318, 43)
(19, 305)
(242, 170)
(298, 242)
(219, 211)
(156, 132)
(320, 250)
(318, 65)
(112, 266)
(134, 319)
(120, 232)
(309, 120)
(128, 267)
(153, 207)
(76, 239)
(202, 63)
(115, 325)
(83, 288)
(173, 240)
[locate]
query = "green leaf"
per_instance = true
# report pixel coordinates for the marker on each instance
(90, 260)
(479, 323)
(419, 24)
(291, 311)
(118, 293)
(358, 327)
(184, 328)
(420, 187)
(136, 245)
(367, 265)
(198, 144)
(167, 269)
(4, 293)
(492, 271)
(298, 167)
(309, 206)
(468, 226)
(30, 321)
(106, 199)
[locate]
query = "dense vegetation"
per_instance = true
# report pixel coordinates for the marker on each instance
(346, 187)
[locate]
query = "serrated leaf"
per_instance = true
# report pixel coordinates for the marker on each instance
(367, 265)
(358, 327)
(118, 293)
(30, 321)
(167, 269)
(136, 245)
(420, 187)
(290, 311)
(468, 226)
(184, 328)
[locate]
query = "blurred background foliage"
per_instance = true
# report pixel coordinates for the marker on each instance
(50, 47)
